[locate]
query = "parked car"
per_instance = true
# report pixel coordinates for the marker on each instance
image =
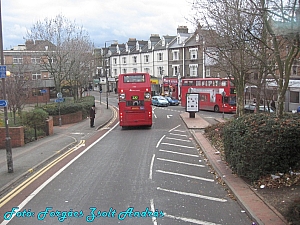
(252, 108)
(172, 101)
(159, 101)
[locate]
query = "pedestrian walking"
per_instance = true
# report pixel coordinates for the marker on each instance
(92, 116)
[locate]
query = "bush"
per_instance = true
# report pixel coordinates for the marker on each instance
(34, 118)
(261, 144)
(84, 104)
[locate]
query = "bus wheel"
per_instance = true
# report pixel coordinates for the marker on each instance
(216, 108)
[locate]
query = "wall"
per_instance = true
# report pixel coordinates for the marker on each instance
(67, 119)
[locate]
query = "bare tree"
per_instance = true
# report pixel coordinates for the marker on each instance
(255, 35)
(229, 22)
(60, 56)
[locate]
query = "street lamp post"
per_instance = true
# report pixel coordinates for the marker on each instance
(105, 70)
(7, 140)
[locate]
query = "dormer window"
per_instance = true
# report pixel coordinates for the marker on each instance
(197, 38)
(137, 46)
(163, 41)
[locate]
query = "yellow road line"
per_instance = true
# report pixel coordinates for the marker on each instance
(23, 185)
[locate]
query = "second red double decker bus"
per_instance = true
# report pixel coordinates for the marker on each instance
(215, 94)
(135, 107)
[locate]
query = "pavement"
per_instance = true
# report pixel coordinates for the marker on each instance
(38, 154)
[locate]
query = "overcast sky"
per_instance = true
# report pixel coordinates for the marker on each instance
(104, 20)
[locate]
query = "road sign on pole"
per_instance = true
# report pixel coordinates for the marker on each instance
(3, 103)
(2, 71)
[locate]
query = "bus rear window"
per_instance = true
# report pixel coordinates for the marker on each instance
(134, 79)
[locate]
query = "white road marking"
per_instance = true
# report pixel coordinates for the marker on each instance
(185, 175)
(193, 195)
(182, 146)
(178, 153)
(174, 128)
(182, 131)
(158, 143)
(176, 139)
(194, 221)
(153, 210)
(185, 163)
(151, 167)
(181, 135)
(169, 116)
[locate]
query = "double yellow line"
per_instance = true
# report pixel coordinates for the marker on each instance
(28, 181)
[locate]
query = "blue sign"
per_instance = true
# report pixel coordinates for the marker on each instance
(3, 103)
(59, 100)
(43, 91)
(2, 71)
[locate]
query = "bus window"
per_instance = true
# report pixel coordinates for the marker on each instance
(224, 83)
(198, 83)
(204, 83)
(209, 83)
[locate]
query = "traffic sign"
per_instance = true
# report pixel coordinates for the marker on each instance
(2, 71)
(3, 103)
(59, 100)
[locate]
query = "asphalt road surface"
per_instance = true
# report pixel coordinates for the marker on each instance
(135, 176)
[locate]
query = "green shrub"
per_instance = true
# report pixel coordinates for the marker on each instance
(83, 104)
(34, 118)
(261, 144)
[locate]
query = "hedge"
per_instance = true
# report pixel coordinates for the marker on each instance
(84, 105)
(261, 144)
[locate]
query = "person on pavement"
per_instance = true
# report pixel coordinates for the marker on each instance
(92, 116)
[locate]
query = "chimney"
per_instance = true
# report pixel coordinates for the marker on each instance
(182, 29)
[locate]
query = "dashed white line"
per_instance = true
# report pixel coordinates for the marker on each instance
(182, 146)
(185, 175)
(185, 163)
(151, 167)
(158, 143)
(178, 153)
(194, 221)
(176, 139)
(193, 195)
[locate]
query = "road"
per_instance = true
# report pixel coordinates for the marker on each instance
(135, 176)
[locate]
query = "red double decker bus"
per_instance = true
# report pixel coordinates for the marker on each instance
(135, 107)
(211, 91)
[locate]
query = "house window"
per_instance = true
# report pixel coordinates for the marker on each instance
(160, 56)
(146, 58)
(294, 97)
(193, 53)
(124, 71)
(134, 59)
(193, 70)
(115, 61)
(124, 60)
(147, 70)
(160, 70)
(36, 76)
(175, 70)
(115, 72)
(134, 70)
(175, 55)
(35, 60)
(17, 60)
(207, 72)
